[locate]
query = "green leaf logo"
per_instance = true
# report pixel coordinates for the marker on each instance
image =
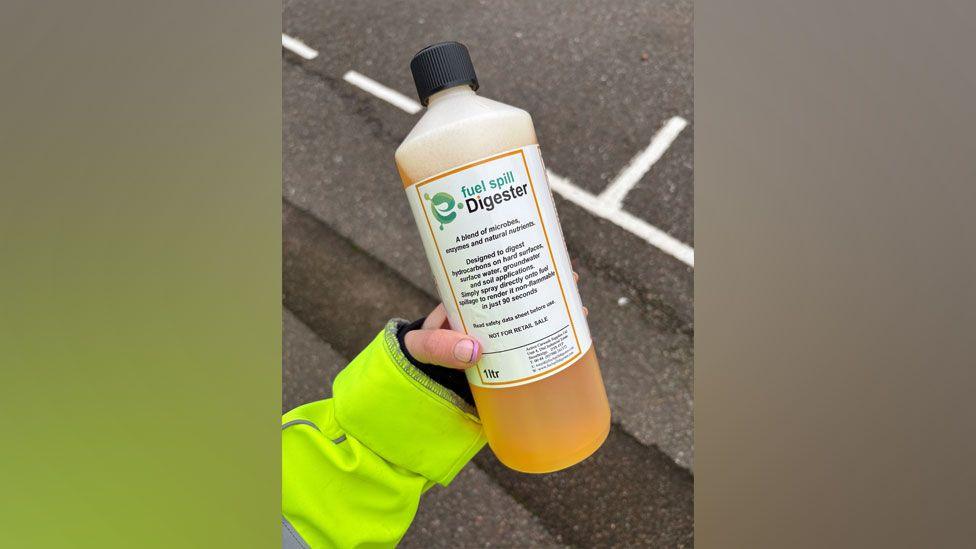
(442, 207)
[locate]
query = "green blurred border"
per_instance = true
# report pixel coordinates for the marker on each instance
(140, 289)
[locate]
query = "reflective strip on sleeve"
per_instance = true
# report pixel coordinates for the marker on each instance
(290, 539)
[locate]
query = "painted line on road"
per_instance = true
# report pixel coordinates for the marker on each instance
(296, 46)
(623, 219)
(391, 96)
(641, 164)
(608, 204)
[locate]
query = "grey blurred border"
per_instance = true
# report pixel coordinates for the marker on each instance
(835, 276)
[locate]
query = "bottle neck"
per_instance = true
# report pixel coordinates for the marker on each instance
(462, 90)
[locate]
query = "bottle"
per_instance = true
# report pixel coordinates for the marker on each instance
(478, 191)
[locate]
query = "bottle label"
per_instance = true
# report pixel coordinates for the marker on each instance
(496, 250)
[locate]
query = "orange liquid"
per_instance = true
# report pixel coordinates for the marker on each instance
(545, 425)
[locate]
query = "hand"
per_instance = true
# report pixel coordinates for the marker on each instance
(436, 343)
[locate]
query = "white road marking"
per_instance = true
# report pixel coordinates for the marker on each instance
(608, 204)
(297, 46)
(391, 96)
(640, 164)
(623, 219)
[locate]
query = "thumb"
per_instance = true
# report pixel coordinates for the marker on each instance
(443, 347)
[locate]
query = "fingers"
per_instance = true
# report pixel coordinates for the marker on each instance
(436, 319)
(443, 347)
(586, 312)
(435, 343)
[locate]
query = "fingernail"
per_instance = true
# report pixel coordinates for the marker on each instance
(465, 350)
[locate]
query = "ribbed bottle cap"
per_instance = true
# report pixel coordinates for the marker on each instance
(441, 66)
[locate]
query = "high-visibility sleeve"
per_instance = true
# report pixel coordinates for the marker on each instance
(354, 466)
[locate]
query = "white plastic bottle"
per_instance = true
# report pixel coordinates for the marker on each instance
(477, 186)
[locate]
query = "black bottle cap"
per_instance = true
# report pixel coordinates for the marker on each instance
(441, 66)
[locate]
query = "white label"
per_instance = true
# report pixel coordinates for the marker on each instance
(498, 257)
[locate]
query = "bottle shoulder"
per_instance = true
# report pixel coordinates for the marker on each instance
(452, 133)
(465, 111)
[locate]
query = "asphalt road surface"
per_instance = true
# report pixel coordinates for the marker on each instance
(600, 80)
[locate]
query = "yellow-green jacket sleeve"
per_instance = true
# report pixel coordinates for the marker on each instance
(354, 466)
